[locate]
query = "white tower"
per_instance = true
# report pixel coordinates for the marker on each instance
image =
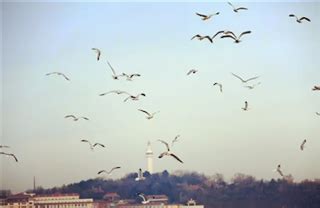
(149, 155)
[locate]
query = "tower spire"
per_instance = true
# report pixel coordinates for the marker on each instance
(149, 155)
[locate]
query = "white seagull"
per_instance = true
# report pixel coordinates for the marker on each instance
(192, 71)
(206, 17)
(144, 198)
(130, 76)
(245, 108)
(132, 97)
(250, 87)
(110, 171)
(218, 84)
(149, 115)
(10, 155)
(200, 37)
(58, 73)
(76, 118)
(236, 9)
(278, 169)
(316, 88)
(92, 145)
(98, 53)
(114, 76)
(140, 175)
(245, 80)
(299, 20)
(118, 92)
(168, 152)
(234, 37)
(302, 145)
(175, 140)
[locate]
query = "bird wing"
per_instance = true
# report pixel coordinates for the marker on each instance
(244, 33)
(15, 158)
(242, 8)
(208, 37)
(162, 154)
(228, 36)
(135, 75)
(113, 71)
(85, 118)
(173, 155)
(175, 140)
(101, 171)
(220, 85)
(318, 113)
(292, 15)
(252, 78)
(191, 71)
(101, 145)
(142, 196)
(84, 140)
(70, 116)
(238, 77)
(196, 36)
(165, 143)
(280, 172)
(47, 74)
(305, 18)
(125, 100)
(217, 33)
(201, 15)
(246, 105)
(231, 5)
(144, 112)
(113, 169)
(98, 53)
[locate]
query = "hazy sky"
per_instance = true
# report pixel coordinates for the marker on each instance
(154, 39)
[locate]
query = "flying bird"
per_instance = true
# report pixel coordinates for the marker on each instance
(245, 80)
(58, 73)
(250, 87)
(218, 84)
(98, 53)
(76, 118)
(219, 32)
(206, 17)
(200, 37)
(175, 140)
(316, 88)
(118, 92)
(110, 171)
(130, 76)
(144, 198)
(4, 146)
(134, 97)
(299, 20)
(302, 145)
(10, 155)
(140, 175)
(234, 37)
(168, 152)
(245, 108)
(149, 115)
(92, 145)
(192, 71)
(279, 170)
(236, 9)
(114, 76)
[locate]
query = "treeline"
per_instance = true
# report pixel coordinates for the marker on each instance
(243, 191)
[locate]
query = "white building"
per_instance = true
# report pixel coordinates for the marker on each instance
(61, 201)
(149, 155)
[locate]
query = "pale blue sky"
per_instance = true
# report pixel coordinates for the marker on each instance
(154, 39)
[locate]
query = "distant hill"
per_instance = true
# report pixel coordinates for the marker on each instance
(243, 190)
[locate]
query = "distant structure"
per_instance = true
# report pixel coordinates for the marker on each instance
(34, 183)
(149, 155)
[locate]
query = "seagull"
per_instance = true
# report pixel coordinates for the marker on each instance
(302, 145)
(299, 20)
(132, 97)
(144, 198)
(140, 175)
(219, 32)
(206, 17)
(110, 171)
(192, 71)
(4, 146)
(10, 155)
(114, 76)
(234, 37)
(279, 170)
(316, 88)
(245, 81)
(130, 76)
(175, 140)
(149, 115)
(94, 145)
(250, 87)
(76, 118)
(237, 9)
(98, 53)
(200, 37)
(58, 73)
(168, 153)
(118, 92)
(218, 84)
(245, 108)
